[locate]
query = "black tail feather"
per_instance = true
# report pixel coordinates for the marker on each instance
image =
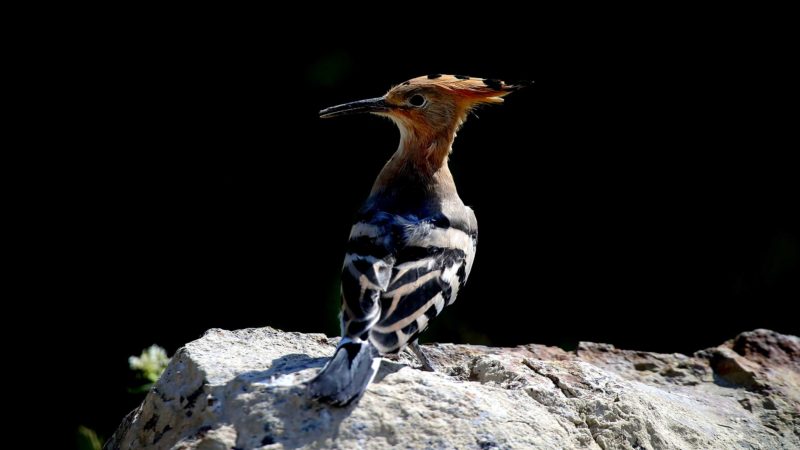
(347, 374)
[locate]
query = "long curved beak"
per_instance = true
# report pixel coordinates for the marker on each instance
(370, 105)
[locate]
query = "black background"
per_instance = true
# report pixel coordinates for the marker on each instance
(640, 193)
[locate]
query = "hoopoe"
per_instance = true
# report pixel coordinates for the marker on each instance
(413, 243)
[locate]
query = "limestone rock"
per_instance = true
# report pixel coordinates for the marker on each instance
(244, 390)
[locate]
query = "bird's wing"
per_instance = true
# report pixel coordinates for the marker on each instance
(429, 267)
(366, 274)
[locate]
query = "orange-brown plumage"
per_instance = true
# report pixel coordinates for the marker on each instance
(450, 98)
(428, 131)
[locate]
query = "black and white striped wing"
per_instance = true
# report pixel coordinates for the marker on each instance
(366, 275)
(428, 271)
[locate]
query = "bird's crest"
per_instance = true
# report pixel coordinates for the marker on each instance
(478, 90)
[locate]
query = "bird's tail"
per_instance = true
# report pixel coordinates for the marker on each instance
(347, 374)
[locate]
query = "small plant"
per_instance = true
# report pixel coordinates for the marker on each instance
(88, 439)
(149, 366)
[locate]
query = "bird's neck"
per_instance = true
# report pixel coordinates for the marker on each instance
(420, 159)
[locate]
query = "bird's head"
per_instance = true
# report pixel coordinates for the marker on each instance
(429, 108)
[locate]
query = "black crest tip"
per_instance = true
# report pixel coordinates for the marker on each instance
(493, 83)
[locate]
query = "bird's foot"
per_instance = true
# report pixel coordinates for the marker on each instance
(426, 363)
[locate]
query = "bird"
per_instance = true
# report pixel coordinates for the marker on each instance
(413, 243)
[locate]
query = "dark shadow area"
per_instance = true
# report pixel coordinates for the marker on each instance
(294, 410)
(723, 382)
(284, 365)
(387, 368)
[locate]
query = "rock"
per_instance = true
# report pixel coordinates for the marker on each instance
(244, 390)
(768, 348)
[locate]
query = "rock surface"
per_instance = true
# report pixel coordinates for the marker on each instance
(243, 390)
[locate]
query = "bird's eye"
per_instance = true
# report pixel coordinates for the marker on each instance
(416, 100)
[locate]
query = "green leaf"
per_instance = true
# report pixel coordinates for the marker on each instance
(88, 439)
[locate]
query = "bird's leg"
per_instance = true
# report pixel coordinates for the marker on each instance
(426, 363)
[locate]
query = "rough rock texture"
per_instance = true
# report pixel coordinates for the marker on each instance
(244, 390)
